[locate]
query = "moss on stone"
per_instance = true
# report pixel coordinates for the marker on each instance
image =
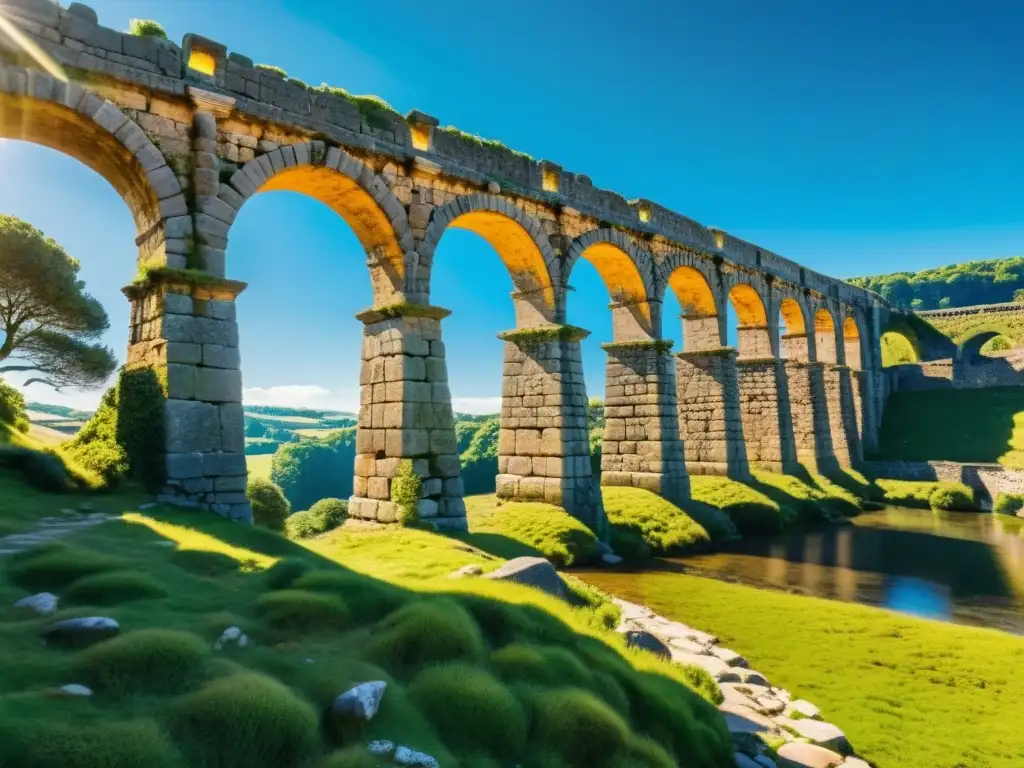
(544, 333)
(480, 141)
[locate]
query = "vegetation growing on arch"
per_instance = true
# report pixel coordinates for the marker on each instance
(146, 28)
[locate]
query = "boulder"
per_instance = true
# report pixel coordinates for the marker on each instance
(798, 754)
(742, 761)
(747, 726)
(406, 756)
(43, 603)
(533, 572)
(84, 631)
(751, 676)
(821, 733)
(804, 708)
(231, 636)
(74, 689)
(380, 747)
(647, 642)
(360, 702)
(731, 658)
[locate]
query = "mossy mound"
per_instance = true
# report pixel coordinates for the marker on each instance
(367, 600)
(54, 566)
(579, 727)
(114, 587)
(513, 528)
(103, 745)
(751, 511)
(426, 632)
(296, 611)
(643, 523)
(143, 661)
(244, 721)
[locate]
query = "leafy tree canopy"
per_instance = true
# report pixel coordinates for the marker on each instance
(48, 323)
(958, 285)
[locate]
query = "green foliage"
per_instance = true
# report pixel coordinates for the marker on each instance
(143, 661)
(475, 711)
(542, 334)
(427, 632)
(126, 434)
(329, 513)
(952, 496)
(1008, 503)
(751, 511)
(244, 721)
(43, 470)
(301, 83)
(12, 407)
(44, 744)
(272, 68)
(367, 600)
(285, 571)
(48, 323)
(203, 563)
(480, 457)
(54, 566)
(897, 349)
(316, 469)
(301, 525)
(579, 727)
(480, 141)
(146, 28)
(661, 526)
(114, 587)
(960, 285)
(996, 344)
(269, 506)
(298, 611)
(405, 493)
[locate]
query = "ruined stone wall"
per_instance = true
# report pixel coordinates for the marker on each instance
(709, 414)
(642, 447)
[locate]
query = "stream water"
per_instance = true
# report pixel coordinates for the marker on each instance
(961, 567)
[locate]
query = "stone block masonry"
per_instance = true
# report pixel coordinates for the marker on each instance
(642, 447)
(765, 413)
(405, 412)
(543, 445)
(809, 414)
(709, 413)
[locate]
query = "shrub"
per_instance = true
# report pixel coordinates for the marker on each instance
(1008, 503)
(316, 469)
(101, 745)
(285, 571)
(12, 407)
(43, 470)
(430, 631)
(143, 661)
(907, 493)
(642, 752)
(470, 709)
(405, 493)
(269, 506)
(114, 587)
(204, 563)
(301, 525)
(244, 721)
(662, 526)
(579, 727)
(952, 496)
(543, 665)
(299, 611)
(55, 566)
(329, 513)
(146, 28)
(367, 599)
(272, 68)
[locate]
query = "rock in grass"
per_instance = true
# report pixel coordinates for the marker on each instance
(821, 733)
(84, 631)
(360, 702)
(533, 572)
(74, 689)
(380, 747)
(798, 754)
(43, 603)
(804, 708)
(647, 642)
(231, 636)
(406, 756)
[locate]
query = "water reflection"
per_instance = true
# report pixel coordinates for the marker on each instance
(961, 567)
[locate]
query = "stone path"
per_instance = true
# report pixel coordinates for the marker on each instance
(51, 529)
(755, 711)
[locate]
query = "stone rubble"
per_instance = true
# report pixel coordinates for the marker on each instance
(755, 711)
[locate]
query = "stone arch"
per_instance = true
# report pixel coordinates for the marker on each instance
(825, 345)
(969, 350)
(350, 188)
(697, 292)
(628, 273)
(75, 121)
(520, 242)
(853, 348)
(793, 316)
(795, 343)
(754, 330)
(899, 344)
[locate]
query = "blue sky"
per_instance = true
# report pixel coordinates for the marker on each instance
(854, 137)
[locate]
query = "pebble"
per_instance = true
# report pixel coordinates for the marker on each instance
(406, 756)
(43, 603)
(360, 702)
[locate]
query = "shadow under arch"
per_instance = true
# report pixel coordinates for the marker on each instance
(517, 238)
(78, 123)
(852, 346)
(351, 189)
(754, 334)
(701, 325)
(825, 336)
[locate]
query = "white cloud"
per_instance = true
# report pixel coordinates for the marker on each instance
(477, 405)
(295, 395)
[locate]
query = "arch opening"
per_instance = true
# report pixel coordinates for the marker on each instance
(73, 134)
(701, 326)
(983, 347)
(631, 311)
(825, 337)
(753, 334)
(851, 344)
(793, 339)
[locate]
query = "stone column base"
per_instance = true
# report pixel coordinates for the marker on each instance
(765, 414)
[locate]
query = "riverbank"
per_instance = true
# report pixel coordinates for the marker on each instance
(907, 692)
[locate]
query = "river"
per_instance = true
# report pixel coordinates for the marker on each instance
(953, 566)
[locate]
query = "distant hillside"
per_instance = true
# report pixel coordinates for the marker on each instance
(959, 285)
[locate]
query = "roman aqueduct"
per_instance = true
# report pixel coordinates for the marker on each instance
(187, 134)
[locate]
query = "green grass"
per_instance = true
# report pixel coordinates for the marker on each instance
(359, 603)
(644, 522)
(752, 511)
(512, 528)
(907, 692)
(927, 494)
(260, 465)
(965, 425)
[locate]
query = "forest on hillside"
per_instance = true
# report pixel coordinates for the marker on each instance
(991, 281)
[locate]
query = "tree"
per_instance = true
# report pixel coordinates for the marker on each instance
(1018, 296)
(48, 323)
(269, 506)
